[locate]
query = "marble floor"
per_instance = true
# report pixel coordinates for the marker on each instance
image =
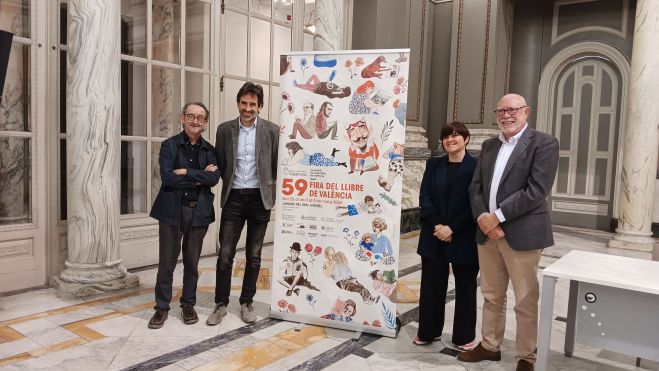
(40, 330)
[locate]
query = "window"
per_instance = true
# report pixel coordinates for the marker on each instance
(16, 127)
(257, 32)
(161, 68)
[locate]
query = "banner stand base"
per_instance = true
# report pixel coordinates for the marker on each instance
(356, 336)
(312, 320)
(299, 326)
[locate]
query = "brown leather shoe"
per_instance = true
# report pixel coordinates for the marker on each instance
(189, 314)
(524, 365)
(479, 354)
(158, 319)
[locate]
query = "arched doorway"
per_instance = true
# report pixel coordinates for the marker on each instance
(582, 96)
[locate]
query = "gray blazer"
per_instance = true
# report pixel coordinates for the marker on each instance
(525, 184)
(267, 147)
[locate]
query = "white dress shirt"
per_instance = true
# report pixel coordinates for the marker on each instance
(245, 174)
(502, 159)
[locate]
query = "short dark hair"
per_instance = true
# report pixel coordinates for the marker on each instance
(185, 108)
(253, 89)
(454, 127)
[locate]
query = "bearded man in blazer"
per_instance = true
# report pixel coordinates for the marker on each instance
(247, 158)
(508, 197)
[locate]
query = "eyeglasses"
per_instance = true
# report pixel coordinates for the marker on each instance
(511, 111)
(199, 118)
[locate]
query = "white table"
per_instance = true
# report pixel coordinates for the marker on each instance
(613, 304)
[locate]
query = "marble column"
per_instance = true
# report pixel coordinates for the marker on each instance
(14, 152)
(329, 25)
(164, 82)
(416, 155)
(639, 164)
(93, 127)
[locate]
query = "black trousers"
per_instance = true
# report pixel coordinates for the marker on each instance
(241, 206)
(170, 238)
(434, 283)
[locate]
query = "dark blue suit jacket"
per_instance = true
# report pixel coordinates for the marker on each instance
(454, 212)
(167, 206)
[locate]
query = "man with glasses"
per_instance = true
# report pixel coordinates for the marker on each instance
(247, 149)
(184, 209)
(306, 125)
(508, 193)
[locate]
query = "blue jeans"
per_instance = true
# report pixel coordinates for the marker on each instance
(241, 206)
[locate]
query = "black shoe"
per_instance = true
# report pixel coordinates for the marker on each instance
(158, 319)
(343, 164)
(289, 292)
(297, 291)
(335, 151)
(189, 314)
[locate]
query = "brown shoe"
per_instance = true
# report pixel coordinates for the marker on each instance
(479, 354)
(524, 365)
(189, 314)
(158, 319)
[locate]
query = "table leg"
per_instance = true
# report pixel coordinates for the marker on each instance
(546, 314)
(570, 326)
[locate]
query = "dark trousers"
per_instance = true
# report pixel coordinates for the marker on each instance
(434, 282)
(241, 206)
(170, 247)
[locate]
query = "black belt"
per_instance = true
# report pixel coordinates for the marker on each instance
(188, 203)
(246, 191)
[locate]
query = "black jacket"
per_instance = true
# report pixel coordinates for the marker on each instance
(167, 206)
(456, 213)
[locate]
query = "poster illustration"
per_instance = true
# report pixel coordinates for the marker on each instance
(339, 188)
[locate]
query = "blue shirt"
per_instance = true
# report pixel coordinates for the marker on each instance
(382, 245)
(245, 174)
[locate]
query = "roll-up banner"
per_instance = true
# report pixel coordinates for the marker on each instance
(339, 187)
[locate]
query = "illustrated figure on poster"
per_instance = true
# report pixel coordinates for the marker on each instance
(395, 155)
(381, 243)
(376, 68)
(294, 272)
(362, 103)
(336, 267)
(324, 127)
(326, 88)
(296, 155)
(343, 310)
(365, 251)
(367, 242)
(305, 126)
(400, 111)
(369, 206)
(384, 282)
(363, 154)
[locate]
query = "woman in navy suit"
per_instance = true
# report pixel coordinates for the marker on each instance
(448, 236)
